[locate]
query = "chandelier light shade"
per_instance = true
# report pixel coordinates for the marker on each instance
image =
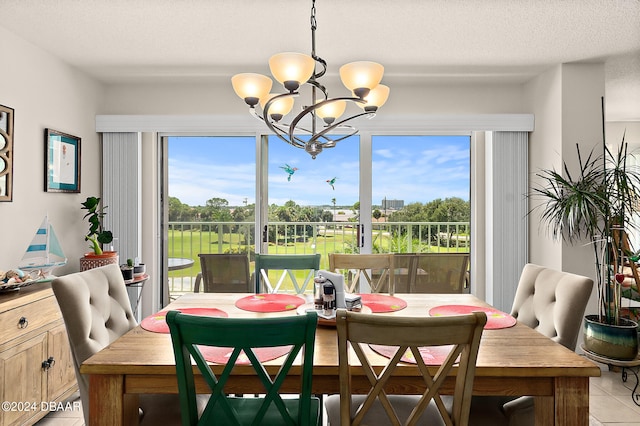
(279, 108)
(330, 112)
(292, 69)
(360, 77)
(251, 87)
(376, 98)
(311, 129)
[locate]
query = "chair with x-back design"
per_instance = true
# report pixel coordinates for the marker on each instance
(244, 335)
(462, 332)
(376, 269)
(286, 264)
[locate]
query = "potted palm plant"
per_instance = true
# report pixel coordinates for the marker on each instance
(596, 205)
(97, 236)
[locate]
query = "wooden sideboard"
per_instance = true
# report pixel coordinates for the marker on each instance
(36, 365)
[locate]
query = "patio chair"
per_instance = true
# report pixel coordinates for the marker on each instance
(377, 269)
(96, 311)
(245, 334)
(223, 273)
(357, 330)
(553, 303)
(439, 273)
(286, 263)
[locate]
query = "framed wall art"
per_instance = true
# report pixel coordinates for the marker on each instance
(62, 162)
(6, 153)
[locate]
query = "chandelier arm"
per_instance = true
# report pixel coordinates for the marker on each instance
(296, 143)
(274, 126)
(338, 125)
(312, 108)
(320, 87)
(332, 142)
(323, 63)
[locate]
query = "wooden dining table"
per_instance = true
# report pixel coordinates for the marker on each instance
(511, 361)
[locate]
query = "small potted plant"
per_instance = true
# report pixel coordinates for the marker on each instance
(127, 270)
(96, 236)
(139, 269)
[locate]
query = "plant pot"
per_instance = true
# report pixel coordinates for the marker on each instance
(139, 270)
(92, 260)
(127, 272)
(611, 341)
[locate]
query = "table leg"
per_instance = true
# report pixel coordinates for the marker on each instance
(544, 409)
(571, 401)
(107, 404)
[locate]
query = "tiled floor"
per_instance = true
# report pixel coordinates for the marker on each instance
(610, 404)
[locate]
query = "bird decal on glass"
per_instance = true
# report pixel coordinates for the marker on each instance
(331, 182)
(290, 170)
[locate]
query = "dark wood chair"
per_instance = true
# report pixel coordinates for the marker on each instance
(223, 273)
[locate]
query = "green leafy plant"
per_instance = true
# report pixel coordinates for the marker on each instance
(97, 236)
(594, 205)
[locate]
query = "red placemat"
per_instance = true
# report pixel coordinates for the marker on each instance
(382, 302)
(432, 355)
(221, 355)
(158, 323)
(269, 302)
(495, 318)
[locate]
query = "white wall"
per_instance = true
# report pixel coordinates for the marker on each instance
(45, 93)
(217, 97)
(629, 129)
(566, 101)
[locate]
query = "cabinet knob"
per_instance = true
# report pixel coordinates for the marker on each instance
(47, 364)
(23, 322)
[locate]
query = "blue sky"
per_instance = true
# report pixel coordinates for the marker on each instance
(409, 168)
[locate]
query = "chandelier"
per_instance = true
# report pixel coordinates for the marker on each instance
(292, 70)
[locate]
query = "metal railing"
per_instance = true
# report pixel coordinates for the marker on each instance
(188, 239)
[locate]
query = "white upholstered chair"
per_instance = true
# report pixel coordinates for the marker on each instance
(553, 303)
(96, 311)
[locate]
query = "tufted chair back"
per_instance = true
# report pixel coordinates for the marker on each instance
(552, 302)
(96, 311)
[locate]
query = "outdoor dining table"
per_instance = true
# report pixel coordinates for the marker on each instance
(511, 361)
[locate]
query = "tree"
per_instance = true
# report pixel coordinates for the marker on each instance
(178, 212)
(377, 214)
(215, 209)
(452, 209)
(327, 216)
(356, 212)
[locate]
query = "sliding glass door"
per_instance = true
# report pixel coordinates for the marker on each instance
(370, 194)
(312, 204)
(211, 201)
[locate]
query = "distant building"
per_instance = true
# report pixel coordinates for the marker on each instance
(392, 204)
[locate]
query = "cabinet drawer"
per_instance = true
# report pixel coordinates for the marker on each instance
(37, 314)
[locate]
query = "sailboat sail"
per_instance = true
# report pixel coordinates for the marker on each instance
(44, 251)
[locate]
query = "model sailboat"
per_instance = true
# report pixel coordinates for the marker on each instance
(44, 253)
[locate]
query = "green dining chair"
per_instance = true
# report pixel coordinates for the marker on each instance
(245, 334)
(287, 263)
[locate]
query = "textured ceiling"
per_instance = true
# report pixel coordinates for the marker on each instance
(134, 40)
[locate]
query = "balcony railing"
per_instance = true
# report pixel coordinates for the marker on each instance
(188, 239)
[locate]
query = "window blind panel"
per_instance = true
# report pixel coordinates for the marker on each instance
(121, 189)
(507, 236)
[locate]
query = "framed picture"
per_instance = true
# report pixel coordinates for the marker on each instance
(62, 162)
(6, 153)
